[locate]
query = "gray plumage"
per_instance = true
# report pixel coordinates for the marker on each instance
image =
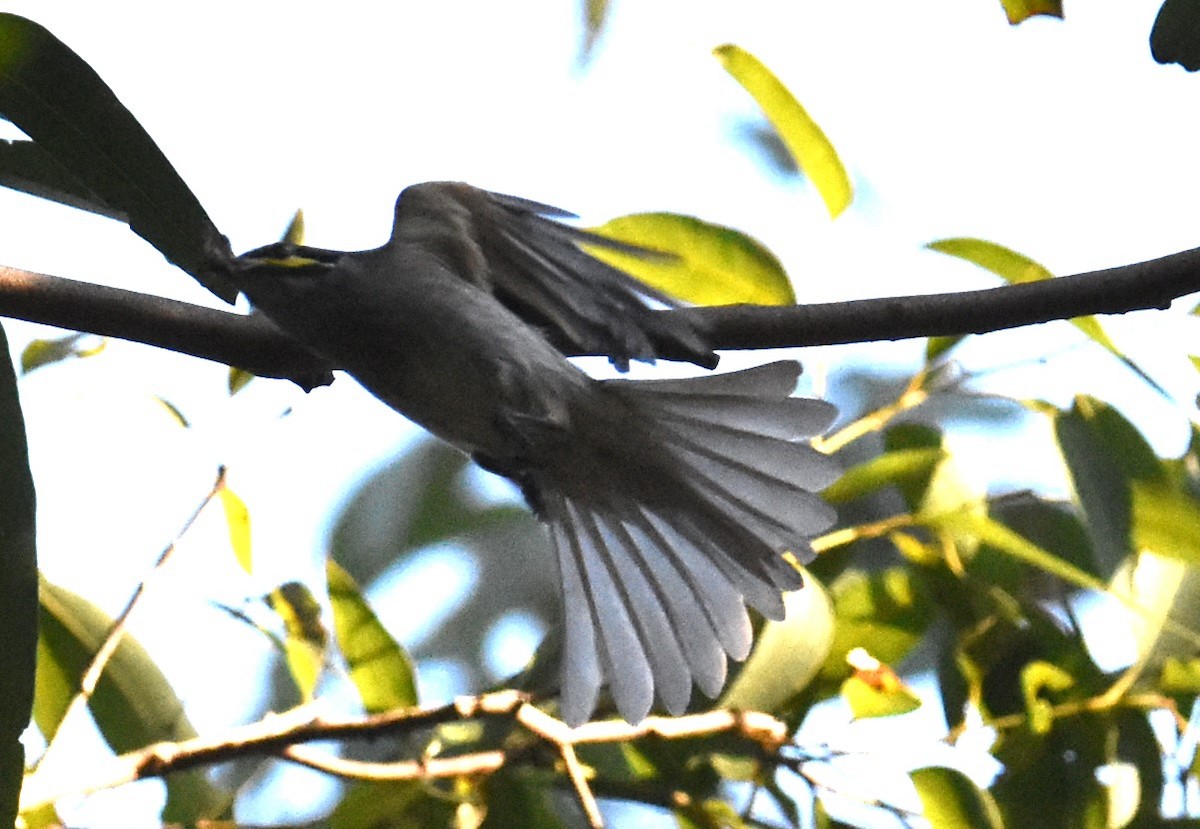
(669, 502)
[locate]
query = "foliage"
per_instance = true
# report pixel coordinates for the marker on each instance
(992, 592)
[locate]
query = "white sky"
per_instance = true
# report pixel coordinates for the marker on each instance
(1064, 141)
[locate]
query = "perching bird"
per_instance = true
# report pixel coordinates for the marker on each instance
(670, 503)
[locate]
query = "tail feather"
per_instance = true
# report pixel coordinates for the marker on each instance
(622, 657)
(657, 575)
(669, 672)
(790, 418)
(702, 606)
(582, 676)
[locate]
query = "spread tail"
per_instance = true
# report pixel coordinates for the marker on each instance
(655, 588)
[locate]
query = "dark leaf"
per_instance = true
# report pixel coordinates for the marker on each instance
(1175, 37)
(25, 166)
(18, 587)
(60, 102)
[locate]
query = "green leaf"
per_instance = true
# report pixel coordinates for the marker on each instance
(938, 346)
(709, 264)
(1180, 677)
(800, 134)
(989, 531)
(1019, 11)
(18, 587)
(518, 798)
(398, 805)
(379, 668)
(60, 102)
(47, 352)
(237, 518)
(133, 704)
(952, 801)
(787, 653)
(1015, 269)
(1175, 37)
(305, 637)
(902, 466)
(1166, 521)
(887, 612)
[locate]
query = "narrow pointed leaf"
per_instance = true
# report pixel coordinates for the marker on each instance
(59, 101)
(239, 378)
(709, 265)
(18, 587)
(41, 353)
(595, 16)
(379, 668)
(899, 466)
(237, 517)
(799, 132)
(1015, 269)
(305, 637)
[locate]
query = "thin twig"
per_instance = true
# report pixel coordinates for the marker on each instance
(466, 765)
(116, 632)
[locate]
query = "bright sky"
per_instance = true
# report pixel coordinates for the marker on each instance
(1063, 141)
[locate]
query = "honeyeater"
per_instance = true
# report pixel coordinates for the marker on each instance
(671, 504)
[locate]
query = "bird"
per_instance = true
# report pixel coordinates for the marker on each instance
(672, 505)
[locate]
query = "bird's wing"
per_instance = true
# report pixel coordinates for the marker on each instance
(539, 268)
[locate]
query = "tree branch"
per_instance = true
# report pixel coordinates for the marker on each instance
(250, 342)
(280, 734)
(253, 343)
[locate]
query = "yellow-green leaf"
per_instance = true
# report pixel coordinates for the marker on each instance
(1019, 11)
(889, 468)
(306, 639)
(595, 14)
(875, 690)
(787, 653)
(1038, 677)
(951, 801)
(805, 141)
(1180, 676)
(1017, 268)
(46, 352)
(379, 668)
(937, 346)
(237, 516)
(239, 378)
(295, 230)
(173, 411)
(709, 264)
